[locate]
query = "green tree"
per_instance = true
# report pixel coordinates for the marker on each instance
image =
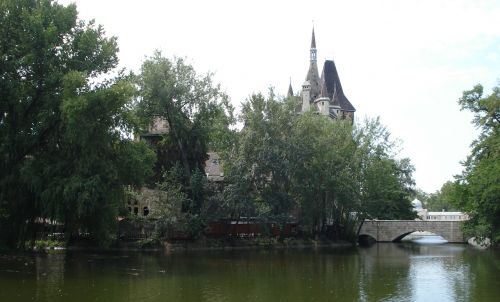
(285, 163)
(198, 114)
(325, 175)
(259, 164)
(64, 154)
(443, 199)
(198, 117)
(324, 172)
(478, 187)
(386, 182)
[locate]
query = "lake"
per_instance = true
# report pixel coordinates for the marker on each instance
(382, 272)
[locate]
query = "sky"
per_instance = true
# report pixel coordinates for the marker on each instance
(407, 62)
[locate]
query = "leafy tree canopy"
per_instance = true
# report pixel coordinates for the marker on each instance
(64, 155)
(198, 119)
(443, 199)
(197, 113)
(478, 188)
(324, 173)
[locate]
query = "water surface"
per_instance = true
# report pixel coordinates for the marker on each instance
(382, 272)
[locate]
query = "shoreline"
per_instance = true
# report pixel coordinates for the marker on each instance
(201, 244)
(175, 246)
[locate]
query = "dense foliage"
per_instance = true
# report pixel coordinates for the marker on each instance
(67, 160)
(441, 200)
(197, 116)
(478, 188)
(324, 175)
(64, 155)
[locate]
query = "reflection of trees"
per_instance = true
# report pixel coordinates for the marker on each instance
(483, 271)
(13, 269)
(272, 276)
(383, 273)
(49, 277)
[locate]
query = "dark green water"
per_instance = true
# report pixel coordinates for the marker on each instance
(383, 272)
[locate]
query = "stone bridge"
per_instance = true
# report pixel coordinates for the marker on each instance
(395, 230)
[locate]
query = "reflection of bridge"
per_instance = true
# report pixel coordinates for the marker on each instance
(395, 230)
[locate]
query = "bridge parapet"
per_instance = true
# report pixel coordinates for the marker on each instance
(395, 230)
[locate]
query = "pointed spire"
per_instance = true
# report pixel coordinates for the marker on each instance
(312, 74)
(313, 40)
(290, 90)
(313, 55)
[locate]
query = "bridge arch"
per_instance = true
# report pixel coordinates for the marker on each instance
(400, 237)
(364, 239)
(395, 230)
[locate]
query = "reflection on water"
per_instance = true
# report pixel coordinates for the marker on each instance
(382, 272)
(430, 239)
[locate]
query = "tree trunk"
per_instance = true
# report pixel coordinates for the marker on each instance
(185, 162)
(184, 159)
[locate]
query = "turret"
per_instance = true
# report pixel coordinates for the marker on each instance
(323, 105)
(306, 96)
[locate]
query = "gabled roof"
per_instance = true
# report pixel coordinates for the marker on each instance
(331, 85)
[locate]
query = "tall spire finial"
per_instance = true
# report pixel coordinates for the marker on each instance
(313, 40)
(313, 46)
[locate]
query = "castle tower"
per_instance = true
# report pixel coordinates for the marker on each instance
(313, 75)
(324, 95)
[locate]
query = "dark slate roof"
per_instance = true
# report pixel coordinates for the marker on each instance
(331, 81)
(324, 91)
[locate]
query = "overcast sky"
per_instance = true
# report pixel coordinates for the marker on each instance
(405, 61)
